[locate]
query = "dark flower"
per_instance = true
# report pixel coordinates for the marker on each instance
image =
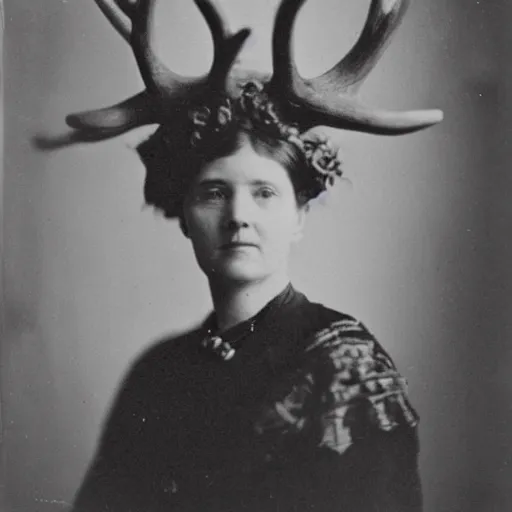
(200, 116)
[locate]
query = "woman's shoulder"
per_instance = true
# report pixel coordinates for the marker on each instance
(358, 382)
(331, 331)
(159, 358)
(339, 333)
(310, 318)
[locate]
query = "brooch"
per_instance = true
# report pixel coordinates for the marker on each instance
(221, 348)
(218, 346)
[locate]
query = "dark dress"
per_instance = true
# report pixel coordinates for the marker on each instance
(309, 415)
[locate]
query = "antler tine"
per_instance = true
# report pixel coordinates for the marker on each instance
(155, 74)
(329, 99)
(157, 77)
(131, 113)
(49, 143)
(166, 93)
(359, 117)
(285, 70)
(226, 45)
(215, 19)
(111, 13)
(384, 16)
(127, 6)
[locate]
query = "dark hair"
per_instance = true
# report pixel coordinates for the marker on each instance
(172, 163)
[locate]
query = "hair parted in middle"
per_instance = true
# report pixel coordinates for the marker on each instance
(202, 118)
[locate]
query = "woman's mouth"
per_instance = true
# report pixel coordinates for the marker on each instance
(237, 245)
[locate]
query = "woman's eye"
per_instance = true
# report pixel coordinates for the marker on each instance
(212, 194)
(265, 193)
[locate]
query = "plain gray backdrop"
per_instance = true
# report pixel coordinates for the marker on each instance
(417, 245)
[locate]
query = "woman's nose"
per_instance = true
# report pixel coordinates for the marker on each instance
(240, 210)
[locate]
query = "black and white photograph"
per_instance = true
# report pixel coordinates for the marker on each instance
(256, 256)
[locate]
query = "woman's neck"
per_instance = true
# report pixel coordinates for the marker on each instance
(237, 302)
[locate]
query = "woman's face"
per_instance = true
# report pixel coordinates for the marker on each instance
(242, 217)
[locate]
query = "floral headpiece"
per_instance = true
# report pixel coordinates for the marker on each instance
(170, 100)
(212, 123)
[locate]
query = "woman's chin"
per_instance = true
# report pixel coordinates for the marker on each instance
(238, 271)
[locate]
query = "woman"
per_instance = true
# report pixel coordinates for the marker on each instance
(274, 403)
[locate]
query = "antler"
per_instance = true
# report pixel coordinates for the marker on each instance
(166, 92)
(330, 99)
